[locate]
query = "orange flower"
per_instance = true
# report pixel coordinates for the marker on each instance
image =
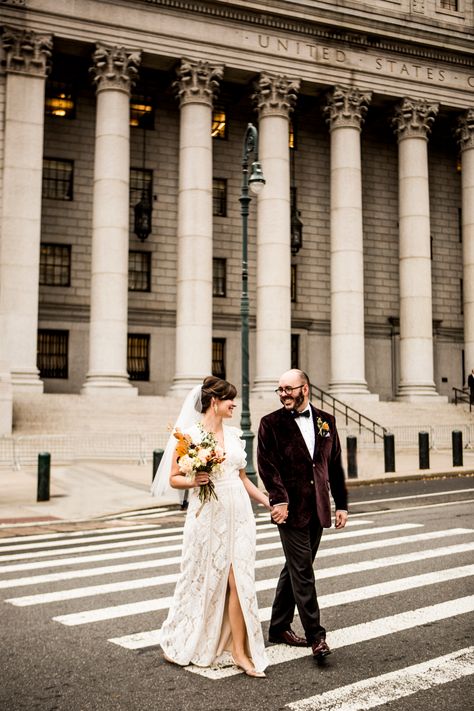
(184, 441)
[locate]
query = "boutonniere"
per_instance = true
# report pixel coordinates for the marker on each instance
(323, 428)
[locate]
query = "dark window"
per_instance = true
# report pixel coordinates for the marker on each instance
(219, 277)
(218, 357)
(219, 197)
(142, 112)
(57, 178)
(138, 363)
(52, 356)
(219, 122)
(461, 294)
(294, 275)
(55, 265)
(449, 5)
(140, 180)
(295, 350)
(460, 223)
(139, 271)
(60, 101)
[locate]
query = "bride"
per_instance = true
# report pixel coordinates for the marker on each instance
(214, 607)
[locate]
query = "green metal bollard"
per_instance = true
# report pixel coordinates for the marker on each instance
(424, 450)
(44, 468)
(157, 457)
(351, 456)
(456, 437)
(389, 452)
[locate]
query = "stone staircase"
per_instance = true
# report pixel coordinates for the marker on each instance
(120, 427)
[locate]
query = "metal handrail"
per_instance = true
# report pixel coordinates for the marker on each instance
(461, 395)
(350, 413)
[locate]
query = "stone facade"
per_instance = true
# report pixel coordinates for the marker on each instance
(364, 329)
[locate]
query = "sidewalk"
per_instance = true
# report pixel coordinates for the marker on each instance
(93, 489)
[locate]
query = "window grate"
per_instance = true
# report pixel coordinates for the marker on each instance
(294, 282)
(295, 350)
(52, 353)
(219, 277)
(141, 179)
(139, 271)
(57, 178)
(218, 357)
(449, 5)
(138, 349)
(219, 197)
(55, 265)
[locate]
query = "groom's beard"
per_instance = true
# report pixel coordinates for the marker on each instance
(292, 403)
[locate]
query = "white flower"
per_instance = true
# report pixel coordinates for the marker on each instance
(185, 464)
(203, 455)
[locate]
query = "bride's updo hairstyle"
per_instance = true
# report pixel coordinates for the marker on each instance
(218, 388)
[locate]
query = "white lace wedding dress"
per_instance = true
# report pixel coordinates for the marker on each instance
(197, 629)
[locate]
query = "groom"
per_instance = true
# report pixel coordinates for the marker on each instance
(299, 462)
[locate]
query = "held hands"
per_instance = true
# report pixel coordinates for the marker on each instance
(279, 513)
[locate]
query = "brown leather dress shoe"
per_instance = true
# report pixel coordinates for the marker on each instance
(288, 637)
(320, 649)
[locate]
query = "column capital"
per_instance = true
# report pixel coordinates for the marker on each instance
(465, 130)
(275, 94)
(114, 67)
(197, 82)
(346, 107)
(27, 52)
(414, 117)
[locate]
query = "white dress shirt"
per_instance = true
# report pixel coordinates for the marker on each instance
(306, 426)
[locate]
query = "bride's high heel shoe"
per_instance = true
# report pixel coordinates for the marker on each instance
(250, 671)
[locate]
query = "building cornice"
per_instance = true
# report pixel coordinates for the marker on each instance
(315, 30)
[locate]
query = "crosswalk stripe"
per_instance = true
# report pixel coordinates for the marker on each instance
(273, 533)
(325, 601)
(373, 692)
(83, 532)
(339, 598)
(125, 536)
(402, 540)
(355, 634)
(348, 569)
(413, 496)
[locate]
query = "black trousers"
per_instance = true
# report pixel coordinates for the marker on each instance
(296, 585)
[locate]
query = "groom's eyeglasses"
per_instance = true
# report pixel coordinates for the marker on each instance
(288, 390)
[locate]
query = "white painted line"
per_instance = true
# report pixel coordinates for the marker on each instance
(140, 640)
(414, 508)
(137, 608)
(83, 532)
(157, 536)
(378, 690)
(347, 636)
(125, 536)
(340, 598)
(369, 545)
(260, 563)
(412, 496)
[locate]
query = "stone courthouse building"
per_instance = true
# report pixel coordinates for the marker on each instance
(361, 243)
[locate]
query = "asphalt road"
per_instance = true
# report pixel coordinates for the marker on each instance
(80, 611)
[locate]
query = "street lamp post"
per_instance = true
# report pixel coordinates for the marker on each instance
(255, 183)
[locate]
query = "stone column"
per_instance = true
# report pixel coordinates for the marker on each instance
(114, 70)
(465, 133)
(412, 124)
(345, 111)
(196, 87)
(275, 98)
(26, 57)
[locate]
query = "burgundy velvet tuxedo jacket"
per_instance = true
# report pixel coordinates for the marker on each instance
(290, 474)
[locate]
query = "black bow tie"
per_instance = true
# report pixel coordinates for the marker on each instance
(295, 413)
